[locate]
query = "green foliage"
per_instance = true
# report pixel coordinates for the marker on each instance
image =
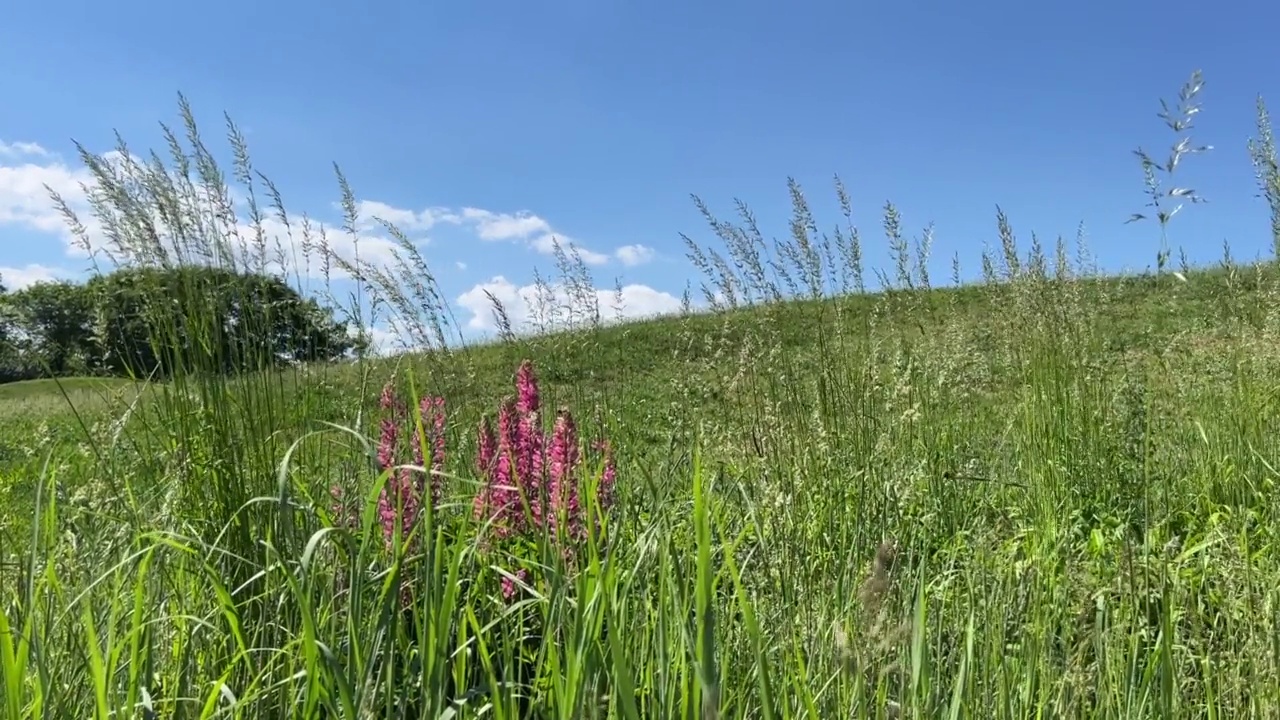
(152, 321)
(47, 327)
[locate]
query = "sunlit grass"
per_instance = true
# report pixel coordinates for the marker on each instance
(1051, 494)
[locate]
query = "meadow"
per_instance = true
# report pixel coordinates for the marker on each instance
(1050, 493)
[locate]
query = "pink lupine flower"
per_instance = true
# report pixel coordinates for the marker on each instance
(517, 461)
(529, 451)
(499, 500)
(343, 514)
(507, 426)
(431, 410)
(401, 500)
(389, 436)
(527, 389)
(604, 491)
(506, 497)
(387, 440)
(387, 400)
(390, 499)
(509, 586)
(398, 504)
(518, 446)
(530, 444)
(563, 459)
(522, 458)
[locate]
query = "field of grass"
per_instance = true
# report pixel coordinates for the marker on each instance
(1050, 494)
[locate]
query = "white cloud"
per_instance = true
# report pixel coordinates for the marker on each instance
(632, 255)
(384, 342)
(527, 228)
(21, 149)
(25, 203)
(505, 226)
(17, 278)
(461, 265)
(546, 244)
(26, 168)
(407, 220)
(524, 307)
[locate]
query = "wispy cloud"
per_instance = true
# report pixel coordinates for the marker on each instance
(528, 229)
(17, 278)
(26, 168)
(632, 255)
(25, 203)
(526, 304)
(22, 149)
(371, 211)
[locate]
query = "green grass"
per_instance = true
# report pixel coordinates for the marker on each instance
(1050, 494)
(36, 388)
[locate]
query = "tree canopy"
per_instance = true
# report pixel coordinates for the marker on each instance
(154, 322)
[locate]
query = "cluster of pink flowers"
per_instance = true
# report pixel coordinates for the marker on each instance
(530, 477)
(407, 489)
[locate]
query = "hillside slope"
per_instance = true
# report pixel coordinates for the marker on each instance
(1021, 480)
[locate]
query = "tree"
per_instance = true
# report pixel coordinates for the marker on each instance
(8, 353)
(208, 319)
(47, 329)
(156, 321)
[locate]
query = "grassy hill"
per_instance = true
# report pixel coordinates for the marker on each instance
(1050, 494)
(1039, 495)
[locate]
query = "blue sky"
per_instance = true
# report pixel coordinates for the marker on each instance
(594, 121)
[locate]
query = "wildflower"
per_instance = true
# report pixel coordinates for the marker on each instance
(563, 459)
(488, 446)
(399, 504)
(401, 500)
(526, 389)
(389, 434)
(509, 586)
(499, 500)
(529, 450)
(529, 476)
(431, 410)
(344, 514)
(521, 463)
(604, 491)
(529, 442)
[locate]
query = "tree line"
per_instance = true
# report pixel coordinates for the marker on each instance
(149, 322)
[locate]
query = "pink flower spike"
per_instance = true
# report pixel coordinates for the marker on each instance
(389, 435)
(387, 441)
(499, 499)
(509, 586)
(387, 400)
(487, 448)
(526, 389)
(563, 461)
(431, 410)
(604, 491)
(529, 460)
